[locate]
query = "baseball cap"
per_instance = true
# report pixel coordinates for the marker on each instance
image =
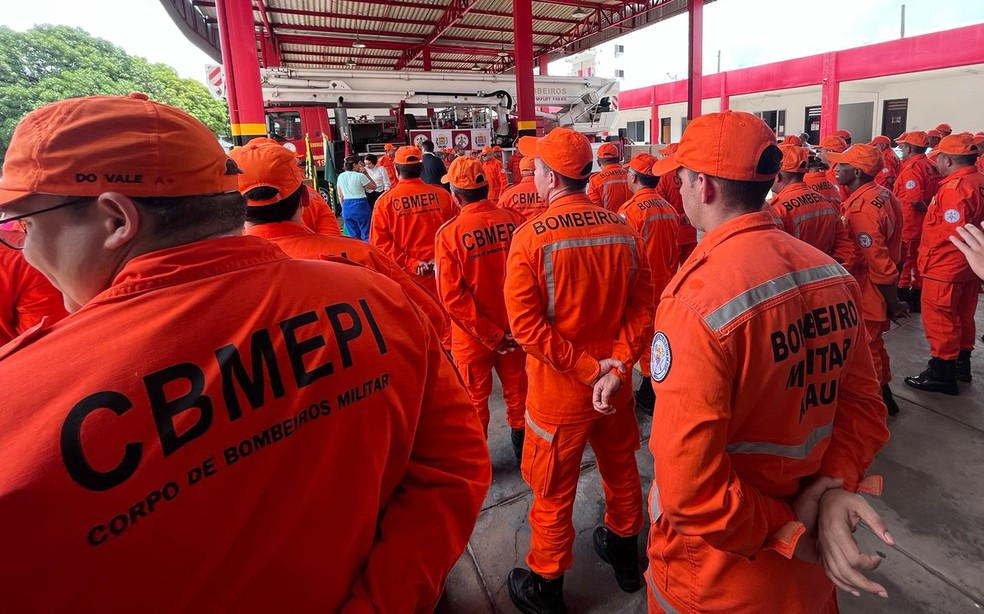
(844, 134)
(979, 137)
(669, 149)
(526, 164)
(934, 132)
(128, 144)
(608, 150)
(863, 157)
(389, 147)
(960, 144)
(917, 138)
(496, 148)
(730, 145)
(465, 174)
(642, 163)
(563, 150)
(833, 143)
(486, 150)
(267, 165)
(792, 139)
(408, 154)
(944, 128)
(794, 158)
(881, 139)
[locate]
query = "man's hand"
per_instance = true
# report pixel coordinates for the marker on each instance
(506, 344)
(840, 512)
(971, 243)
(425, 267)
(606, 365)
(604, 389)
(807, 508)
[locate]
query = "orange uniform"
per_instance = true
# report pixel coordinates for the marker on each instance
(404, 223)
(26, 296)
(318, 216)
(668, 189)
(808, 216)
(657, 222)
(819, 183)
(495, 173)
(523, 199)
(742, 423)
(237, 397)
(874, 222)
(566, 326)
(513, 165)
(387, 163)
(298, 242)
(950, 287)
(609, 187)
(917, 181)
(890, 171)
(471, 252)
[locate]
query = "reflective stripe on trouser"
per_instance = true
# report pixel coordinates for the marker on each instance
(656, 602)
(879, 355)
(476, 373)
(948, 316)
(909, 276)
(552, 465)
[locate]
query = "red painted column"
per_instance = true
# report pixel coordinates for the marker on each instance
(725, 97)
(653, 117)
(829, 96)
(237, 39)
(268, 52)
(544, 61)
(695, 73)
(523, 48)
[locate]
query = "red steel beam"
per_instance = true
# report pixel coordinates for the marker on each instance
(523, 31)
(387, 45)
(695, 69)
(274, 45)
(455, 10)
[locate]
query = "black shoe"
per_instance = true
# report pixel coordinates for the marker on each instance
(531, 593)
(645, 398)
(963, 367)
(518, 438)
(915, 300)
(893, 407)
(622, 553)
(938, 377)
(904, 294)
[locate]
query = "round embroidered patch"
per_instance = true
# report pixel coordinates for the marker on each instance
(952, 216)
(864, 240)
(910, 184)
(659, 364)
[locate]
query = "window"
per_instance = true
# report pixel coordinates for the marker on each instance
(775, 119)
(286, 124)
(619, 74)
(637, 131)
(664, 130)
(619, 50)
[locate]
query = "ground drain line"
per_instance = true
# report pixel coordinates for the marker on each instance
(481, 576)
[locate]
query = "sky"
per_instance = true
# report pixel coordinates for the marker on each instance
(747, 32)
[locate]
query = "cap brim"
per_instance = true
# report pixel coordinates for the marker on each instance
(666, 165)
(837, 158)
(446, 179)
(529, 146)
(8, 197)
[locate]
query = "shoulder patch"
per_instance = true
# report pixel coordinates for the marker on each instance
(910, 184)
(661, 360)
(864, 240)
(952, 216)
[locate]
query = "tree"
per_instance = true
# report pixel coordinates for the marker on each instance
(49, 63)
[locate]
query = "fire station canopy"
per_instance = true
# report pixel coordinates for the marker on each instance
(440, 35)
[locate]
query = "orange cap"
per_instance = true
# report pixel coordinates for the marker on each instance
(979, 137)
(794, 158)
(608, 150)
(917, 138)
(833, 143)
(408, 154)
(496, 148)
(266, 164)
(642, 163)
(934, 132)
(932, 154)
(669, 149)
(465, 174)
(944, 129)
(563, 150)
(792, 139)
(844, 134)
(87, 146)
(960, 144)
(526, 164)
(486, 150)
(730, 145)
(881, 139)
(389, 147)
(863, 157)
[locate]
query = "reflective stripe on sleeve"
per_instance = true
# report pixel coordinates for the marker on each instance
(550, 248)
(774, 449)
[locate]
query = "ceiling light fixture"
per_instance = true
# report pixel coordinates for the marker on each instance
(579, 13)
(358, 44)
(502, 53)
(350, 63)
(476, 67)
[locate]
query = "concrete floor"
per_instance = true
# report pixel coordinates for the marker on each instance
(933, 504)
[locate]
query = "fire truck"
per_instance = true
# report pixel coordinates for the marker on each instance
(361, 111)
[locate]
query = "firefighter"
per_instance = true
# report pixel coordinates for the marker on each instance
(757, 456)
(26, 298)
(523, 197)
(890, 170)
(668, 189)
(494, 172)
(608, 188)
(915, 187)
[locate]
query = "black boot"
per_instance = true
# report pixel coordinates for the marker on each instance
(534, 594)
(940, 376)
(622, 553)
(893, 407)
(518, 438)
(963, 366)
(904, 294)
(645, 398)
(915, 298)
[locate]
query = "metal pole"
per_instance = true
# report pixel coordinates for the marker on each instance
(695, 72)
(523, 49)
(902, 34)
(237, 38)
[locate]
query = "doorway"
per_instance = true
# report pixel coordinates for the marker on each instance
(664, 131)
(894, 116)
(811, 125)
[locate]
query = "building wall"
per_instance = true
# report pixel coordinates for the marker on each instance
(956, 100)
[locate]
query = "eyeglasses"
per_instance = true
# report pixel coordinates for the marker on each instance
(15, 239)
